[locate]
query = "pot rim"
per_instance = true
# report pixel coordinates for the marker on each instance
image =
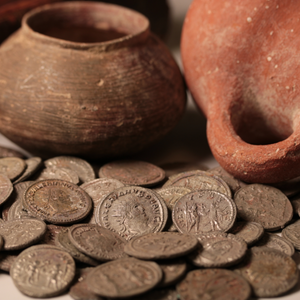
(137, 36)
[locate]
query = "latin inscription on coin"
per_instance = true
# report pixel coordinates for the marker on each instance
(132, 211)
(204, 211)
(216, 284)
(57, 201)
(265, 205)
(124, 278)
(43, 271)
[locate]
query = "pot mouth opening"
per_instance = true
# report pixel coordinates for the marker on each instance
(85, 22)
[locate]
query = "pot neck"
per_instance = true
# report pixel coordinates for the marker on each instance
(86, 25)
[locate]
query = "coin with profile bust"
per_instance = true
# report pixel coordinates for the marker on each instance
(57, 201)
(131, 211)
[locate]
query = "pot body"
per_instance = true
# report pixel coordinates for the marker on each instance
(95, 99)
(241, 63)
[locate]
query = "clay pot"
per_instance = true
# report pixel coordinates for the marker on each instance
(87, 79)
(241, 62)
(12, 11)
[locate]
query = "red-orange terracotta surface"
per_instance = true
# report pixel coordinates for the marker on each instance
(242, 64)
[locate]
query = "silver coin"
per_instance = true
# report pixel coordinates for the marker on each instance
(83, 169)
(161, 245)
(98, 189)
(58, 173)
(131, 211)
(204, 211)
(218, 250)
(62, 241)
(133, 172)
(97, 242)
(6, 188)
(215, 284)
(18, 211)
(43, 271)
(124, 277)
(276, 242)
(57, 201)
(270, 272)
(265, 205)
(292, 234)
(32, 165)
(250, 232)
(12, 167)
(19, 234)
(199, 180)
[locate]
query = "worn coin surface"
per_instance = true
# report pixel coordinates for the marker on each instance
(133, 172)
(97, 242)
(12, 167)
(83, 169)
(161, 245)
(296, 204)
(276, 242)
(270, 272)
(213, 284)
(218, 250)
(174, 168)
(292, 234)
(51, 233)
(99, 188)
(6, 188)
(124, 278)
(250, 232)
(17, 211)
(43, 271)
(265, 205)
(62, 241)
(199, 180)
(79, 290)
(204, 211)
(158, 294)
(19, 234)
(57, 201)
(58, 173)
(131, 211)
(32, 165)
(7, 259)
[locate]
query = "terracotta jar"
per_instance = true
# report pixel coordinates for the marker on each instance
(87, 79)
(241, 63)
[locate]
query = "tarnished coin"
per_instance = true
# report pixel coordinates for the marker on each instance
(6, 188)
(32, 165)
(161, 245)
(12, 167)
(97, 242)
(296, 205)
(16, 196)
(250, 232)
(292, 234)
(79, 290)
(232, 182)
(124, 277)
(43, 271)
(7, 259)
(57, 201)
(51, 233)
(62, 240)
(132, 211)
(290, 187)
(265, 205)
(81, 167)
(218, 250)
(133, 172)
(158, 294)
(58, 173)
(270, 272)
(199, 180)
(171, 195)
(19, 234)
(99, 188)
(204, 211)
(7, 152)
(216, 284)
(173, 271)
(276, 242)
(18, 211)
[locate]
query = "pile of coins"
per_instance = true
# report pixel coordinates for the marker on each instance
(138, 232)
